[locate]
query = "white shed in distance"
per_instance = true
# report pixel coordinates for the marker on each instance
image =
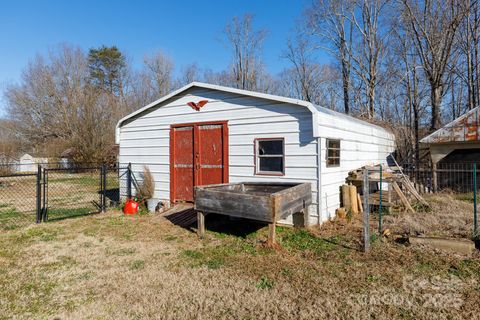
(205, 134)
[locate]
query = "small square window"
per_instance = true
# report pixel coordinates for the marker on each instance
(270, 157)
(333, 153)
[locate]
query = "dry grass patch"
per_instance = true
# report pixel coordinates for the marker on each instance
(449, 216)
(114, 267)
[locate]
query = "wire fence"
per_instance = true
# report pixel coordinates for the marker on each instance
(402, 189)
(453, 177)
(55, 191)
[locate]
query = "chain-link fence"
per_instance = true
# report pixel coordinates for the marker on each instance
(56, 191)
(18, 197)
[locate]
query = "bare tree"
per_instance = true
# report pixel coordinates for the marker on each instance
(219, 78)
(324, 90)
(306, 78)
(246, 44)
(366, 16)
(159, 70)
(434, 25)
(413, 90)
(468, 44)
(328, 20)
(190, 74)
(56, 107)
(10, 142)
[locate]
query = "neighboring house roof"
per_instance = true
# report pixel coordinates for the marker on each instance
(314, 109)
(37, 157)
(68, 153)
(463, 129)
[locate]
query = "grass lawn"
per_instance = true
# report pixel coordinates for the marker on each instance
(109, 266)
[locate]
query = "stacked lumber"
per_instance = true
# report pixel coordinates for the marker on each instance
(351, 201)
(401, 190)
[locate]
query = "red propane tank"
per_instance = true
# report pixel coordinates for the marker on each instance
(131, 207)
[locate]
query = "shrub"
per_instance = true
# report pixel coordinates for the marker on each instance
(146, 189)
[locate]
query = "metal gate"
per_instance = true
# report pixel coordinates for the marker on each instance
(72, 192)
(56, 191)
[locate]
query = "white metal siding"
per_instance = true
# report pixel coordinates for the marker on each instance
(360, 144)
(145, 140)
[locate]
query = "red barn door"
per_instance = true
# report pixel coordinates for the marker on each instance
(198, 156)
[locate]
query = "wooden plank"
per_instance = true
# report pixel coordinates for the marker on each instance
(306, 217)
(201, 224)
(294, 200)
(271, 234)
(234, 204)
(389, 197)
(300, 219)
(404, 199)
(271, 226)
(414, 192)
(360, 206)
(233, 200)
(346, 197)
(353, 198)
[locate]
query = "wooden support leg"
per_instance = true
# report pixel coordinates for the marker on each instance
(201, 224)
(300, 219)
(306, 218)
(271, 234)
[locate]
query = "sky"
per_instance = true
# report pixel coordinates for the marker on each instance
(188, 31)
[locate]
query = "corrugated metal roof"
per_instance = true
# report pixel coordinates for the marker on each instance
(462, 129)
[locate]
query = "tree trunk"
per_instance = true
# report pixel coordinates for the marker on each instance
(416, 116)
(371, 100)
(436, 101)
(345, 74)
(417, 138)
(469, 54)
(346, 87)
(475, 46)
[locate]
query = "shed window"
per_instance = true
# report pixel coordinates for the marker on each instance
(333, 153)
(270, 158)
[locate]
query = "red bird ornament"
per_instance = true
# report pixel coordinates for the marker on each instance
(197, 106)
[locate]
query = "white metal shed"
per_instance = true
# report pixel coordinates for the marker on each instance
(203, 134)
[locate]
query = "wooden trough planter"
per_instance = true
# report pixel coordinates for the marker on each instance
(267, 202)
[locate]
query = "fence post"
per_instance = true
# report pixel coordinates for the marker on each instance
(129, 180)
(434, 178)
(380, 213)
(104, 187)
(39, 194)
(45, 195)
(475, 217)
(366, 212)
